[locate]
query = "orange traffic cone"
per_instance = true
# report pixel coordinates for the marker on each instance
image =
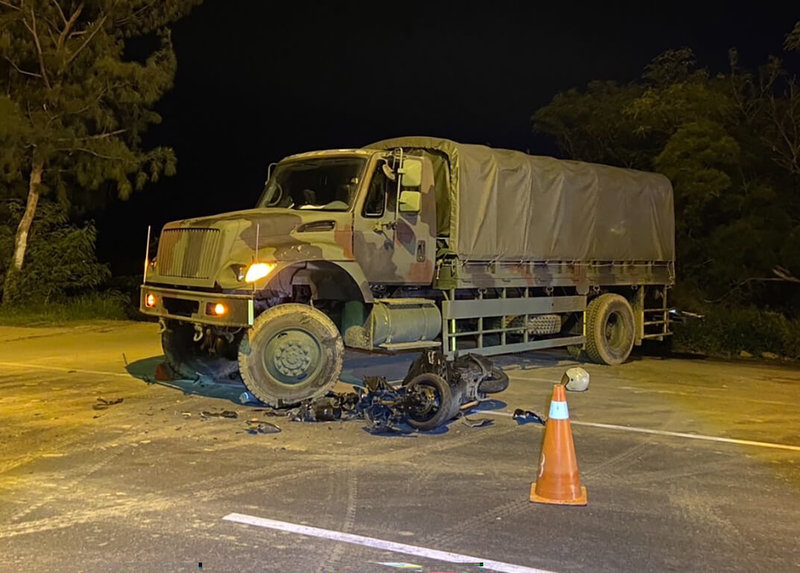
(558, 481)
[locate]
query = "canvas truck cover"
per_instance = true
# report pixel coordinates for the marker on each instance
(497, 204)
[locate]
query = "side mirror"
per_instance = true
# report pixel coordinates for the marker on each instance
(412, 172)
(410, 201)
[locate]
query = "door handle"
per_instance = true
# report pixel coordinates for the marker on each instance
(381, 226)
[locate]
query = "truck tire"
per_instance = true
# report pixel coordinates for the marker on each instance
(292, 353)
(575, 352)
(189, 360)
(436, 405)
(609, 329)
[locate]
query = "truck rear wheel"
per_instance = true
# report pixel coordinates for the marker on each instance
(189, 358)
(293, 352)
(609, 329)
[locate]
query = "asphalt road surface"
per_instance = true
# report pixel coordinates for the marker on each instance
(690, 465)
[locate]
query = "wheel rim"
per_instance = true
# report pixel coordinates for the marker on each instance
(292, 356)
(614, 332)
(429, 404)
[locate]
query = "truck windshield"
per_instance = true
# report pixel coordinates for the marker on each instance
(327, 184)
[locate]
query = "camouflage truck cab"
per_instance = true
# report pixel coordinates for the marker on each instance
(413, 243)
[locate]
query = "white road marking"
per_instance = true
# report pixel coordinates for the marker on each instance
(553, 380)
(380, 544)
(672, 434)
(679, 393)
(692, 436)
(63, 369)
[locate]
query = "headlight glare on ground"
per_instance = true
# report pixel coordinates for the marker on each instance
(257, 271)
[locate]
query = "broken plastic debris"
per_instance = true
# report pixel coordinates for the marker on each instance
(248, 398)
(220, 414)
(164, 372)
(263, 427)
(102, 403)
(527, 416)
(477, 422)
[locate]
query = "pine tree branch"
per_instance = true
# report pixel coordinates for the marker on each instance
(21, 71)
(60, 11)
(32, 29)
(50, 34)
(97, 136)
(92, 34)
(107, 134)
(68, 24)
(789, 154)
(94, 153)
(136, 14)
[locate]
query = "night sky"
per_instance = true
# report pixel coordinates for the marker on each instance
(261, 80)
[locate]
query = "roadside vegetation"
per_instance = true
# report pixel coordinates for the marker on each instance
(743, 332)
(730, 144)
(62, 279)
(78, 86)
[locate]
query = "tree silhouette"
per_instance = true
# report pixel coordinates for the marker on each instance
(74, 105)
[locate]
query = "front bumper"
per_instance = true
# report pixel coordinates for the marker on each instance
(193, 306)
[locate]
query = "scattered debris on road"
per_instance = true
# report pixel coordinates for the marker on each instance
(102, 403)
(477, 423)
(528, 416)
(262, 427)
(433, 392)
(219, 414)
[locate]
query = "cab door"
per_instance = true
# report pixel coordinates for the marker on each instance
(394, 231)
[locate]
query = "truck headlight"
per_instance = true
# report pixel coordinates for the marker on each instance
(258, 271)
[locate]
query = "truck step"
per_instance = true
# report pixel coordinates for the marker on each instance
(410, 345)
(657, 335)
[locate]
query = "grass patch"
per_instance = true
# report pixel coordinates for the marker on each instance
(729, 331)
(95, 306)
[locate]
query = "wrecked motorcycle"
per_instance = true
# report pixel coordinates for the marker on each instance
(433, 392)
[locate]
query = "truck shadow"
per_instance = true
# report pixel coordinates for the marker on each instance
(356, 366)
(146, 368)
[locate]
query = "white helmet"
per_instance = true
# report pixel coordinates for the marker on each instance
(576, 380)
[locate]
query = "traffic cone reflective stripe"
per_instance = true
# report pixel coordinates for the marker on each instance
(558, 411)
(558, 481)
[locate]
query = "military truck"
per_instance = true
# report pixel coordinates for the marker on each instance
(413, 243)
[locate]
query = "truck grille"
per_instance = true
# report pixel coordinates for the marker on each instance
(188, 253)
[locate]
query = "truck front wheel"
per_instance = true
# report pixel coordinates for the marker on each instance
(292, 352)
(609, 329)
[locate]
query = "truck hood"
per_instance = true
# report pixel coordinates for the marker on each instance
(220, 242)
(270, 222)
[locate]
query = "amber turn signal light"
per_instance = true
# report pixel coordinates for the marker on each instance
(217, 309)
(150, 300)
